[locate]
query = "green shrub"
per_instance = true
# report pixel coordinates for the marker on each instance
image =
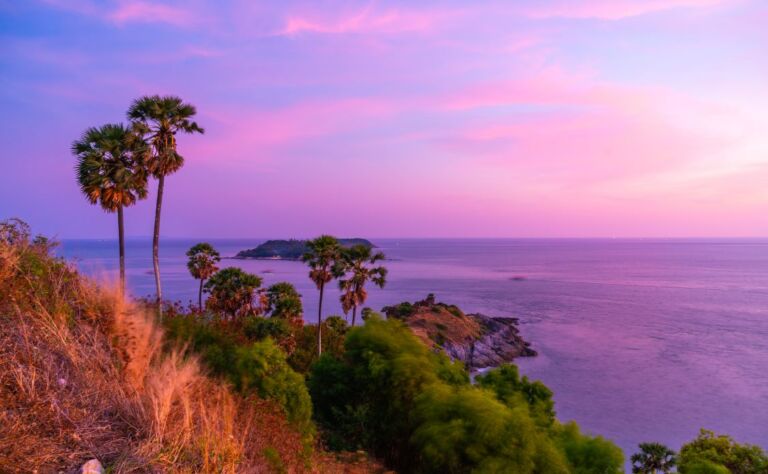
(417, 411)
(505, 382)
(588, 454)
(712, 453)
(259, 367)
(262, 367)
(334, 333)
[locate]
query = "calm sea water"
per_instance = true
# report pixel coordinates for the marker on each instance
(639, 339)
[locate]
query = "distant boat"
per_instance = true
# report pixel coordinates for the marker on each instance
(519, 278)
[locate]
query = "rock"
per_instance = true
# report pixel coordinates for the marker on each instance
(93, 466)
(478, 340)
(500, 342)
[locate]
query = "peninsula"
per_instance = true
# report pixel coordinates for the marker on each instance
(478, 340)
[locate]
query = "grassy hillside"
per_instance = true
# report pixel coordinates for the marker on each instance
(85, 374)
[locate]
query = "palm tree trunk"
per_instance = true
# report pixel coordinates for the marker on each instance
(200, 296)
(320, 322)
(156, 243)
(121, 239)
(354, 314)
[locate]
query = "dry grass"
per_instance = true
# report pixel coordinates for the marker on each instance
(83, 374)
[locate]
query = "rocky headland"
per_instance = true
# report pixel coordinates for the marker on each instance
(478, 340)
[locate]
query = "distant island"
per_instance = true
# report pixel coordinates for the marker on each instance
(291, 249)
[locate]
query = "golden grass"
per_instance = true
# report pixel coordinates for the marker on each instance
(83, 374)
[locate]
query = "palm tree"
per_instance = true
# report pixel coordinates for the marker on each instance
(357, 262)
(159, 119)
(322, 255)
(232, 293)
(111, 172)
(202, 265)
(653, 458)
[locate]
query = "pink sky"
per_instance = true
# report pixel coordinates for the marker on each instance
(402, 119)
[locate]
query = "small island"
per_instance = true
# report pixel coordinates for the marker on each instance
(478, 340)
(291, 249)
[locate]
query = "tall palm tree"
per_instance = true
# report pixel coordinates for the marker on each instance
(653, 458)
(159, 119)
(111, 172)
(322, 256)
(357, 264)
(202, 265)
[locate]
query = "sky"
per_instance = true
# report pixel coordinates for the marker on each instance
(529, 118)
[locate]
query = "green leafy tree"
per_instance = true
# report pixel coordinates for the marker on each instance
(357, 266)
(417, 411)
(202, 265)
(512, 390)
(261, 367)
(322, 257)
(232, 292)
(653, 458)
(587, 454)
(712, 453)
(158, 119)
(111, 172)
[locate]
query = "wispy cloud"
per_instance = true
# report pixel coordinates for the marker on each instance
(148, 12)
(368, 19)
(121, 12)
(609, 10)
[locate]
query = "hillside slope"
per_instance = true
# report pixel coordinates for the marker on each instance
(83, 375)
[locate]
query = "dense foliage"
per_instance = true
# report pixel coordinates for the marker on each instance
(251, 365)
(710, 453)
(418, 411)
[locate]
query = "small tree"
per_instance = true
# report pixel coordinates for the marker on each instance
(232, 292)
(322, 255)
(714, 453)
(653, 458)
(202, 265)
(357, 267)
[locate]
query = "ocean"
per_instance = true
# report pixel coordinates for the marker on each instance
(640, 340)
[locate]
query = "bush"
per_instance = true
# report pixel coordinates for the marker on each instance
(261, 367)
(417, 410)
(509, 388)
(712, 453)
(258, 367)
(588, 454)
(334, 332)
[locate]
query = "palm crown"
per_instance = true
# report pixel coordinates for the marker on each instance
(160, 119)
(202, 261)
(323, 253)
(110, 166)
(357, 262)
(653, 458)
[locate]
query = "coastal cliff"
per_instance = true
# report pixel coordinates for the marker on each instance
(478, 340)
